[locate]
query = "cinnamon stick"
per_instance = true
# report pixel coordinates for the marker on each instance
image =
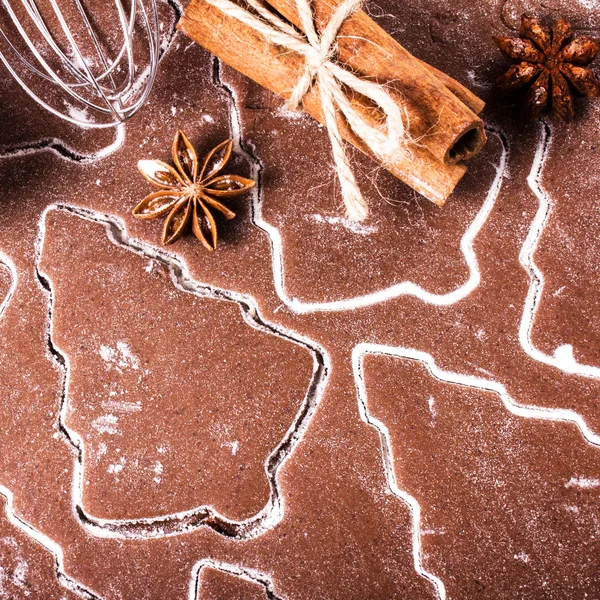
(464, 94)
(437, 118)
(428, 172)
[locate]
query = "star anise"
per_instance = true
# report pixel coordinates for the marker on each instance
(551, 63)
(188, 193)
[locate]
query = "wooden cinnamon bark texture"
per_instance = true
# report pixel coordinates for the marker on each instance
(436, 117)
(447, 130)
(464, 94)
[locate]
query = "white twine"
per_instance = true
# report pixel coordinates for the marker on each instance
(319, 53)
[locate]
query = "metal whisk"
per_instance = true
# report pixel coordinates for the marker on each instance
(92, 63)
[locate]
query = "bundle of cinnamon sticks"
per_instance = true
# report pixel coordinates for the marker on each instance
(442, 114)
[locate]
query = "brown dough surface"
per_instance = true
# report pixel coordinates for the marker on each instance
(502, 497)
(27, 569)
(569, 249)
(178, 401)
(327, 258)
(215, 584)
(6, 282)
(342, 533)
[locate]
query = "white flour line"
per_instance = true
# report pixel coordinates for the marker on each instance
(563, 357)
(516, 408)
(184, 521)
(66, 152)
(7, 262)
(405, 288)
(49, 545)
(388, 466)
(250, 575)
(16, 521)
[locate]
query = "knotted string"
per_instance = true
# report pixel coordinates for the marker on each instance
(319, 52)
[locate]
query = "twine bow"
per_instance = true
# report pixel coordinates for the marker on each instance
(319, 52)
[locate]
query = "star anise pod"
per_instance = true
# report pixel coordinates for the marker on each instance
(188, 193)
(551, 64)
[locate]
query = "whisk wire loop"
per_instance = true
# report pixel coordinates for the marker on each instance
(111, 84)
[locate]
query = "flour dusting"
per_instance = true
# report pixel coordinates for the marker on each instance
(353, 226)
(158, 470)
(121, 357)
(118, 467)
(106, 424)
(80, 115)
(432, 410)
(122, 406)
(585, 483)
